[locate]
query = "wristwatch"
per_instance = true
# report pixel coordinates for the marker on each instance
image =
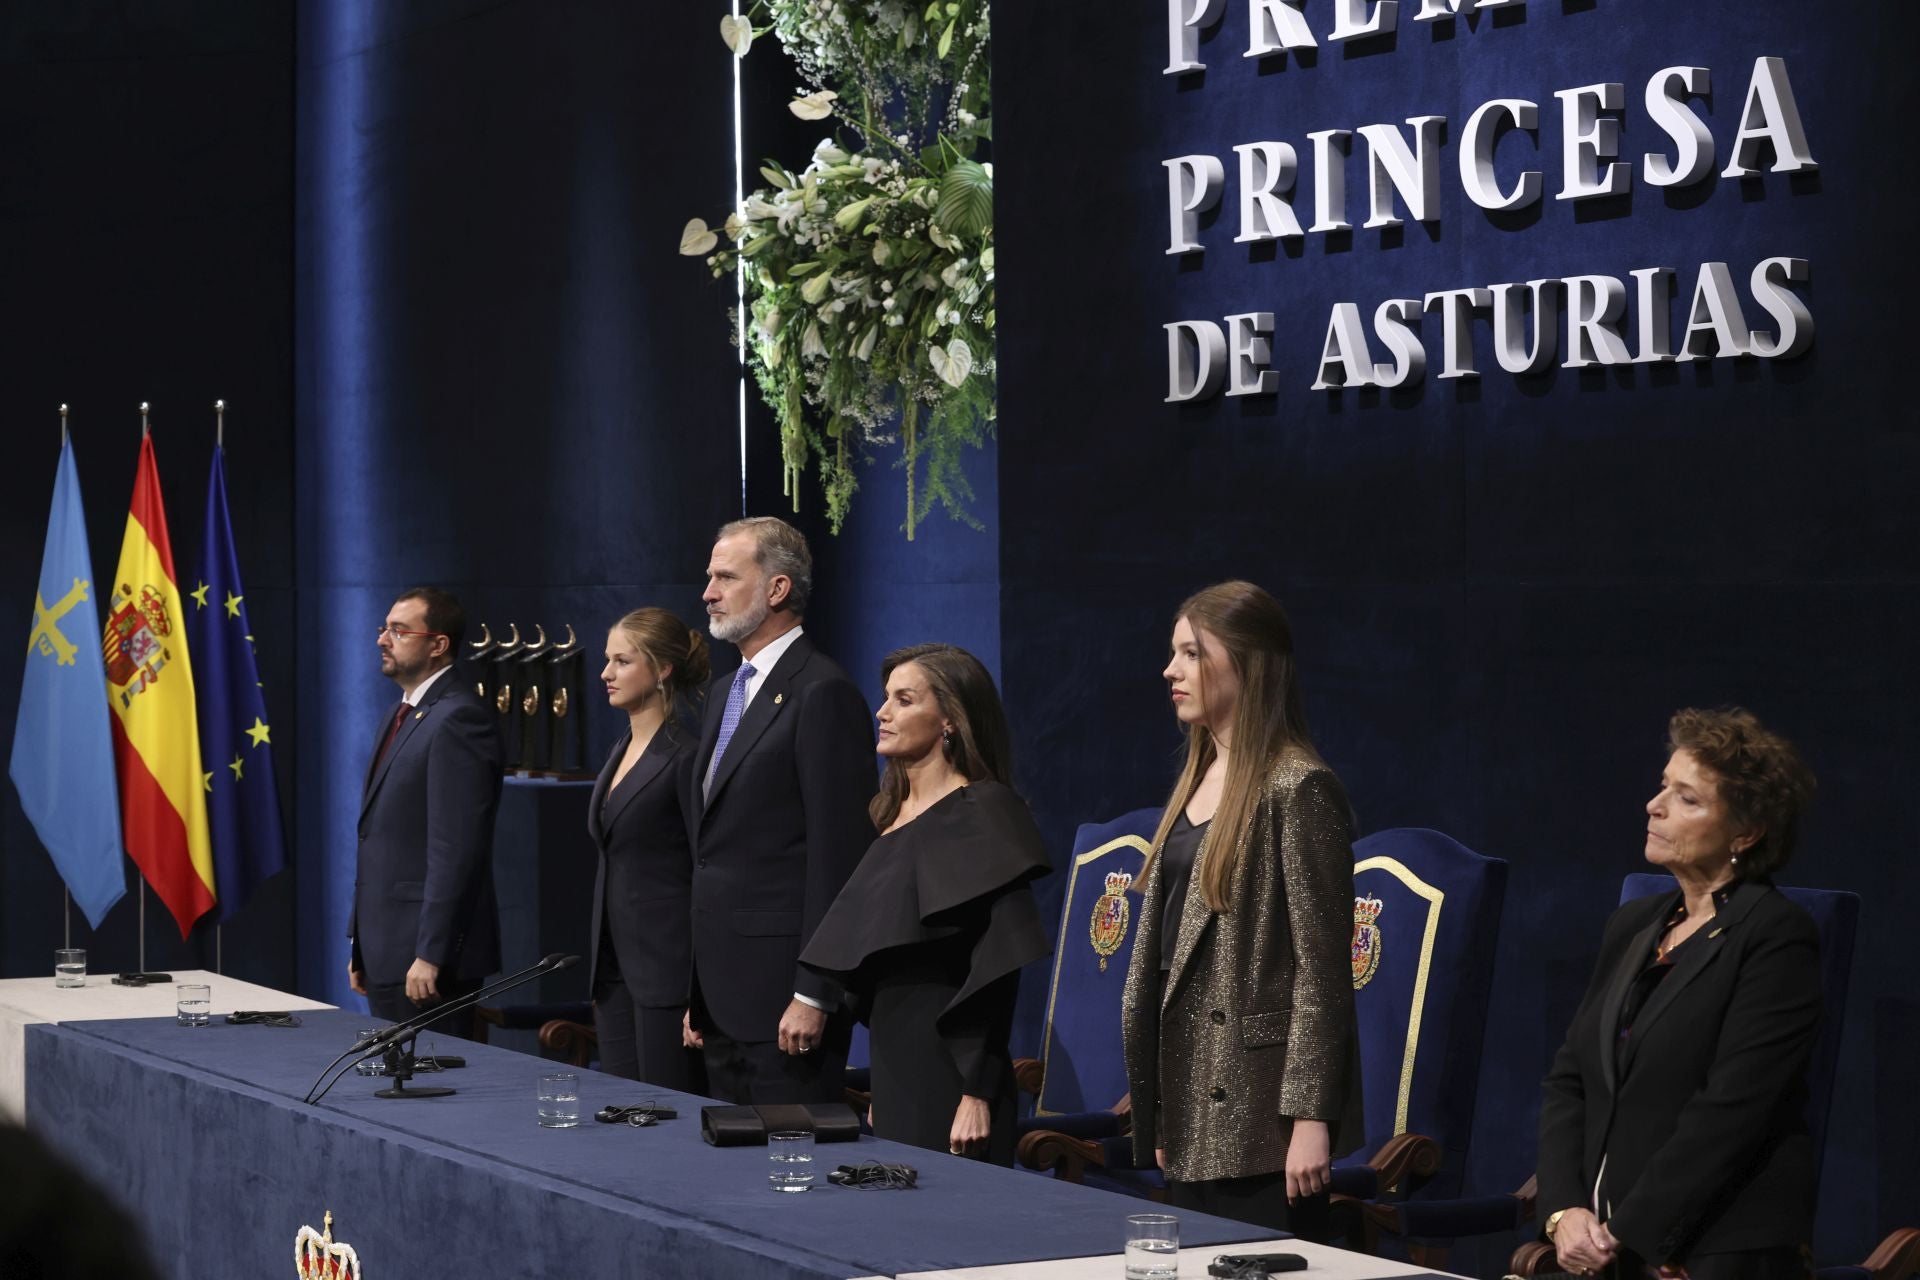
(1553, 1221)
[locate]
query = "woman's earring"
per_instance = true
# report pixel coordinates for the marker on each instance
(946, 738)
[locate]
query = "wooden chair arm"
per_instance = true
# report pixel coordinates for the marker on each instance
(1027, 1075)
(1066, 1156)
(1898, 1256)
(1405, 1155)
(575, 1041)
(1531, 1259)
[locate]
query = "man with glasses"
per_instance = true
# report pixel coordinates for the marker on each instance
(425, 927)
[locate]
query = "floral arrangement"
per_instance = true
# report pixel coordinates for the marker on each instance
(869, 272)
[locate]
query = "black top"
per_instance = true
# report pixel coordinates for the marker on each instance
(1177, 856)
(1659, 964)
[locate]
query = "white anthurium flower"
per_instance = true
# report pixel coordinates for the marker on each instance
(814, 106)
(951, 276)
(770, 322)
(810, 342)
(881, 252)
(953, 362)
(816, 287)
(939, 237)
(865, 349)
(738, 33)
(733, 226)
(895, 320)
(986, 259)
(696, 241)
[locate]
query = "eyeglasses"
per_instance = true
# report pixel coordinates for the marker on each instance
(401, 633)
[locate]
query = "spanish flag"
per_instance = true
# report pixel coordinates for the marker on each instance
(156, 738)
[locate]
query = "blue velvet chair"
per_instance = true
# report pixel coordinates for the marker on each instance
(1836, 914)
(1081, 1124)
(1426, 919)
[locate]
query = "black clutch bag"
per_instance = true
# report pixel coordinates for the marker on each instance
(749, 1126)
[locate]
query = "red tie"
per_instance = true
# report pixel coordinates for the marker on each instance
(399, 718)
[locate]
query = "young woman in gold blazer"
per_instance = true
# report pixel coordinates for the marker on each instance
(1241, 1047)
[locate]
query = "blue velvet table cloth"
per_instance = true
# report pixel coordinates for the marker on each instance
(202, 1134)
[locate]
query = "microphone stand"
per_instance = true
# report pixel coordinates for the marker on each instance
(387, 1041)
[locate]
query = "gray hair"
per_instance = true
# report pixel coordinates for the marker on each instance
(778, 548)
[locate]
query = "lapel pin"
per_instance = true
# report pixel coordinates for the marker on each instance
(1716, 933)
(419, 715)
(779, 698)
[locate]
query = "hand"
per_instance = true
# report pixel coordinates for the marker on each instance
(356, 979)
(972, 1121)
(423, 981)
(1673, 1271)
(689, 1038)
(1160, 1157)
(1581, 1244)
(1309, 1160)
(801, 1027)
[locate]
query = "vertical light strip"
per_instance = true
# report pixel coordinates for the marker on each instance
(740, 268)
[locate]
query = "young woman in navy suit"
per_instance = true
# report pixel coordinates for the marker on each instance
(642, 893)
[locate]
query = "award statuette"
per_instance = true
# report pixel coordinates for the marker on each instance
(477, 655)
(500, 673)
(526, 745)
(565, 700)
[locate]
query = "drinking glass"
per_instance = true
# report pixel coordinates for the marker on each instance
(192, 1004)
(1153, 1246)
(790, 1160)
(69, 967)
(559, 1100)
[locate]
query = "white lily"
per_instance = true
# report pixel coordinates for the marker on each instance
(810, 342)
(865, 349)
(816, 287)
(881, 252)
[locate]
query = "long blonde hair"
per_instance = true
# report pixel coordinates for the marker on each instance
(1268, 723)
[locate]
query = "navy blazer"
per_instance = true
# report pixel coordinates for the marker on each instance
(643, 887)
(1702, 1122)
(782, 829)
(423, 880)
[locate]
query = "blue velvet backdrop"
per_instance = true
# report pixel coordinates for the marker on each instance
(1501, 588)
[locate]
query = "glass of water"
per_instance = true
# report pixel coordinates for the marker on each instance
(69, 967)
(376, 1066)
(790, 1160)
(559, 1100)
(192, 1003)
(1153, 1246)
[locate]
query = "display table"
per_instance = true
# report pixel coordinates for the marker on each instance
(1322, 1261)
(202, 1134)
(30, 1000)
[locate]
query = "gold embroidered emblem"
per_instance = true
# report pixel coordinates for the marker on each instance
(321, 1257)
(1366, 940)
(1110, 916)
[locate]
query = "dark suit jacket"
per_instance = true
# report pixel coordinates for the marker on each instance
(1703, 1125)
(783, 828)
(423, 883)
(643, 889)
(1256, 1023)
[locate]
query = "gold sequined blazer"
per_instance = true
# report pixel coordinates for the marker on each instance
(1255, 1024)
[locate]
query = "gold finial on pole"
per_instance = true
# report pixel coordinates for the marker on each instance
(219, 424)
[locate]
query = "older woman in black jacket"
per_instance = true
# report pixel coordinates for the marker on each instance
(1672, 1132)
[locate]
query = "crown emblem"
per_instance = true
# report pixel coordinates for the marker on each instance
(1110, 915)
(321, 1257)
(1366, 939)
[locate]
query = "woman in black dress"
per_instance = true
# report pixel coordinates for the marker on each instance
(642, 893)
(931, 931)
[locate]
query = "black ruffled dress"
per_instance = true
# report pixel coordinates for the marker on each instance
(929, 936)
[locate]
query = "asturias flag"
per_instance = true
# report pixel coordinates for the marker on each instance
(243, 805)
(163, 793)
(62, 744)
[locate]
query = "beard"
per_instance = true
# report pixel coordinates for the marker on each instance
(736, 627)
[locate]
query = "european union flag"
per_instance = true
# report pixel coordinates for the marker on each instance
(62, 762)
(243, 804)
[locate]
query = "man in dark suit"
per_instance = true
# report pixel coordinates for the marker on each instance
(781, 783)
(425, 928)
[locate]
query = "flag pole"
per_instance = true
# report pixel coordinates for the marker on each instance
(220, 445)
(66, 894)
(145, 431)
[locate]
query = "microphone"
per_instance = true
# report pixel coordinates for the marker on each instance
(384, 1040)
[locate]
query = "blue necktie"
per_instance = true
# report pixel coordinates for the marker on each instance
(729, 721)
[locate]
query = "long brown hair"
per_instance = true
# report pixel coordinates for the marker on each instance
(667, 643)
(978, 748)
(1268, 722)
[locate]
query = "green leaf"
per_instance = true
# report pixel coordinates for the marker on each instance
(946, 38)
(801, 268)
(966, 199)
